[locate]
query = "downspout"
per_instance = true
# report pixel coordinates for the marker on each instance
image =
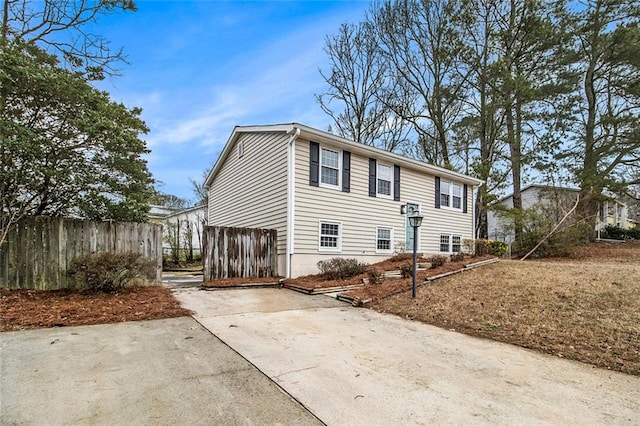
(474, 230)
(291, 196)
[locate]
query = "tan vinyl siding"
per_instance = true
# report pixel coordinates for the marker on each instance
(252, 191)
(361, 214)
(443, 220)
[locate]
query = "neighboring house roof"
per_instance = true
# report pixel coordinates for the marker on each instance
(160, 212)
(316, 135)
(186, 211)
(611, 196)
(537, 186)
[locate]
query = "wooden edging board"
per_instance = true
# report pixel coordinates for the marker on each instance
(357, 302)
(321, 290)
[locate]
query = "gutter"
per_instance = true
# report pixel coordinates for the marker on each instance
(291, 195)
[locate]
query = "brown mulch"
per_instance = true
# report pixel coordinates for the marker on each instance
(28, 309)
(375, 292)
(232, 282)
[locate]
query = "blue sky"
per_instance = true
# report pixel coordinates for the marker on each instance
(199, 68)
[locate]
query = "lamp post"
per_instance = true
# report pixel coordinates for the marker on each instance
(415, 220)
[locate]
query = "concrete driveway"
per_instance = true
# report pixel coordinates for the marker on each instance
(166, 372)
(353, 366)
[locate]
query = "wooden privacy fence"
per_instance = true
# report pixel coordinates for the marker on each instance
(38, 250)
(239, 252)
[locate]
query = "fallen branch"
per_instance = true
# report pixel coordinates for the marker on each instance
(555, 228)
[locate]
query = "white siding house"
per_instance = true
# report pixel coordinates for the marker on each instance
(331, 197)
(554, 202)
(188, 224)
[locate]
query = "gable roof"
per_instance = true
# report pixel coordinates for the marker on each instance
(309, 133)
(538, 186)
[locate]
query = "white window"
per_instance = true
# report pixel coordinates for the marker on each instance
(330, 236)
(444, 243)
(456, 196)
(384, 237)
(455, 243)
(385, 180)
(329, 167)
(450, 243)
(240, 149)
(450, 195)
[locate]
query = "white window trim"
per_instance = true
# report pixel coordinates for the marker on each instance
(330, 249)
(391, 240)
(450, 193)
(450, 250)
(327, 185)
(378, 194)
(240, 149)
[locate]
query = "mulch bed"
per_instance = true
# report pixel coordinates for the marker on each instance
(314, 282)
(28, 309)
(374, 292)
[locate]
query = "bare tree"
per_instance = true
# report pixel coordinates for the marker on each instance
(421, 41)
(61, 27)
(359, 75)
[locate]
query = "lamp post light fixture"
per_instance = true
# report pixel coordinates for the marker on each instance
(415, 220)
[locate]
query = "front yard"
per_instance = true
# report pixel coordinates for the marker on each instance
(586, 309)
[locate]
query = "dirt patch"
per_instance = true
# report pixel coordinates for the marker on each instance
(27, 309)
(588, 312)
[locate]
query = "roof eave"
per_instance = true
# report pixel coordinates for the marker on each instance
(237, 131)
(321, 136)
(367, 150)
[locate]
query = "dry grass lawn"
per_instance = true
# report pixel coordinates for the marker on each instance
(586, 308)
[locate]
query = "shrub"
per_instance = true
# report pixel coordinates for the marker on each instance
(482, 247)
(615, 232)
(338, 268)
(492, 247)
(561, 244)
(469, 246)
(497, 248)
(376, 276)
(633, 233)
(457, 257)
(406, 271)
(437, 261)
(110, 272)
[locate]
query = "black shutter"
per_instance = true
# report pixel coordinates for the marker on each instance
(346, 171)
(396, 183)
(437, 192)
(372, 177)
(464, 198)
(314, 164)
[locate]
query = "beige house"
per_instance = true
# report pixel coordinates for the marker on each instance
(331, 197)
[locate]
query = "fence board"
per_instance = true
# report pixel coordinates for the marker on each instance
(38, 250)
(239, 252)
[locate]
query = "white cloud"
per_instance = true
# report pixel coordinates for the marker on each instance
(272, 82)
